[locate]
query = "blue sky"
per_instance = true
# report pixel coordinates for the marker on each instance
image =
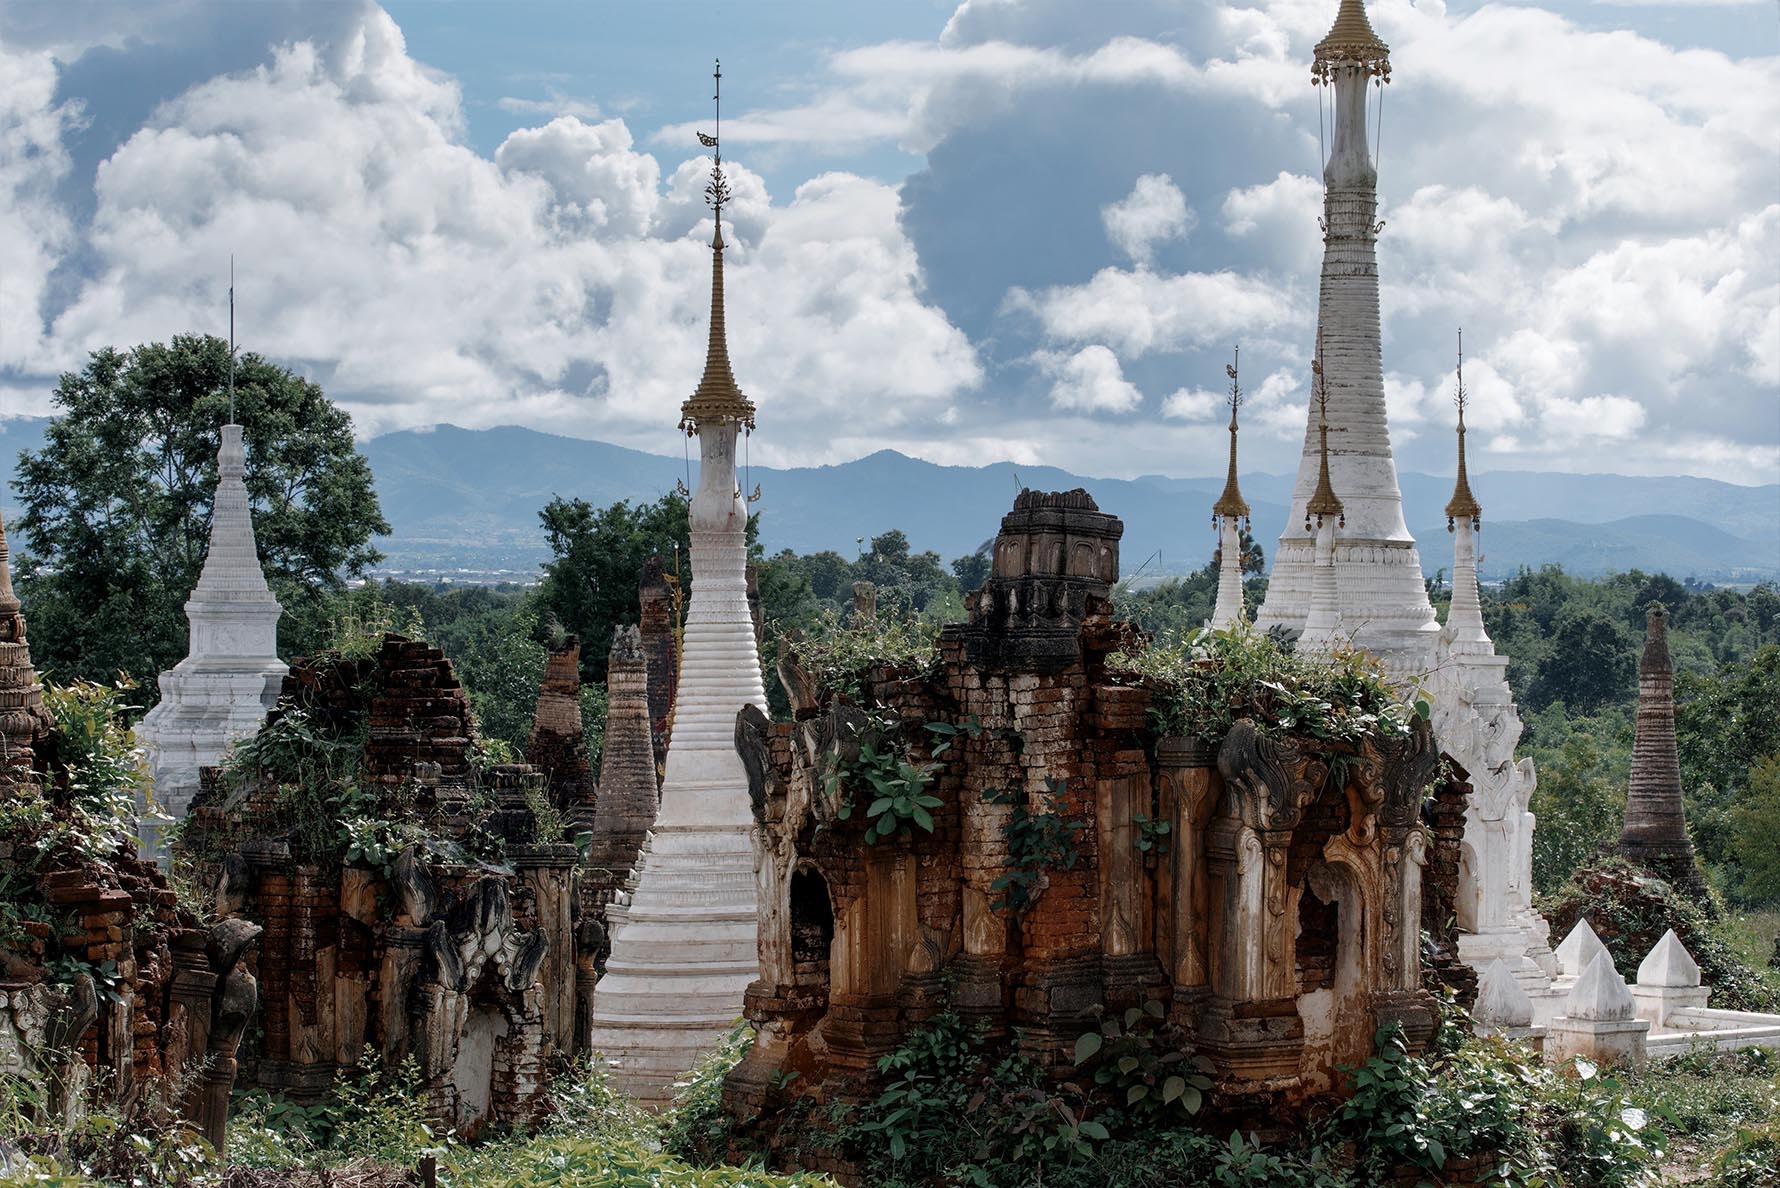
(1026, 229)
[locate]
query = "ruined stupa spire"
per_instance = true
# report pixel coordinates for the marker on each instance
(1655, 833)
(1230, 515)
(1381, 592)
(684, 946)
(23, 720)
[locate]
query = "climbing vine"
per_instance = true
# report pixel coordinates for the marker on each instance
(1036, 842)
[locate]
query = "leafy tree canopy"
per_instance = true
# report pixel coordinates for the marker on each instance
(591, 585)
(117, 502)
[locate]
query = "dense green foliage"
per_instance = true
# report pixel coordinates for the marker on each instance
(1209, 680)
(117, 503)
(590, 587)
(93, 778)
(957, 1109)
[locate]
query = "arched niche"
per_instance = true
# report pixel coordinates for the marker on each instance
(812, 920)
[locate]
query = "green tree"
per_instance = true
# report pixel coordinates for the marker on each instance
(972, 570)
(1756, 833)
(117, 502)
(1725, 726)
(591, 585)
(1592, 662)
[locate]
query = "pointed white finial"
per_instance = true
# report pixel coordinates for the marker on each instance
(1579, 949)
(1600, 994)
(1669, 964)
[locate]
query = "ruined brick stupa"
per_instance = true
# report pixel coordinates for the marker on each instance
(1347, 570)
(222, 690)
(686, 949)
(1655, 833)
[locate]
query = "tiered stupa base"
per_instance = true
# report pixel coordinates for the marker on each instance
(683, 953)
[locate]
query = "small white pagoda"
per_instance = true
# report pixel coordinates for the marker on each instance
(221, 691)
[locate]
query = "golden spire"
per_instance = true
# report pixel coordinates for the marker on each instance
(1463, 504)
(1351, 41)
(718, 397)
(1323, 501)
(1231, 502)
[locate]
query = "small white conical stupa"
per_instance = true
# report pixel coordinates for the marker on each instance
(221, 691)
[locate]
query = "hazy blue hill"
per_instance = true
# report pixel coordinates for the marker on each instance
(461, 498)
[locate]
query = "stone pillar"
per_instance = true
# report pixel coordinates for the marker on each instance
(557, 747)
(1189, 791)
(548, 872)
(1655, 834)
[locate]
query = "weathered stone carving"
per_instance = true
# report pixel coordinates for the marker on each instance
(1279, 927)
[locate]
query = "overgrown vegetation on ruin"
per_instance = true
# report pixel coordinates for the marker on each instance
(1204, 683)
(961, 1111)
(87, 809)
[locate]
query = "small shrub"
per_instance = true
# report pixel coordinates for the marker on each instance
(696, 1129)
(837, 653)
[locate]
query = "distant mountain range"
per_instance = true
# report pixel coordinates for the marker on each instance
(462, 499)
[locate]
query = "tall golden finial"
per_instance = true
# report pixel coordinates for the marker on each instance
(1231, 502)
(1323, 501)
(1463, 504)
(1351, 41)
(718, 397)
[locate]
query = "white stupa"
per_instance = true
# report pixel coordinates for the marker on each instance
(1230, 515)
(1476, 721)
(1384, 606)
(221, 691)
(1356, 578)
(685, 949)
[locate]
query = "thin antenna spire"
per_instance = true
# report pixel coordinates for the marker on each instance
(231, 338)
(1231, 502)
(1323, 502)
(1463, 504)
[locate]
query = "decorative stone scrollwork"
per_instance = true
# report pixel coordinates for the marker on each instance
(1269, 782)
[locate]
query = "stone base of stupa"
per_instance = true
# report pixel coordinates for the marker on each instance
(684, 950)
(205, 707)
